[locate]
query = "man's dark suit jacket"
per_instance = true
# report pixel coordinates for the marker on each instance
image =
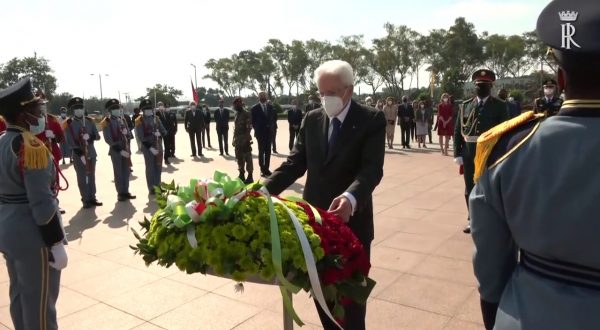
(355, 166)
(194, 122)
(222, 121)
(170, 123)
(261, 122)
(206, 116)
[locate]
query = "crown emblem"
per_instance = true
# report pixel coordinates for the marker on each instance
(568, 16)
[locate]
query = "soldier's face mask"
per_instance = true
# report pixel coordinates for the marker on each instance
(79, 113)
(37, 124)
(548, 91)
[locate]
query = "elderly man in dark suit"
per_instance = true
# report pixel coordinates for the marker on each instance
(221, 116)
(194, 125)
(262, 120)
(342, 148)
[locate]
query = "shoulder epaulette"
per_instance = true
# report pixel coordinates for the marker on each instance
(104, 122)
(138, 121)
(66, 123)
(468, 101)
(488, 140)
(35, 155)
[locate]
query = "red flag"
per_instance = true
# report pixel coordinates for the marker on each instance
(194, 93)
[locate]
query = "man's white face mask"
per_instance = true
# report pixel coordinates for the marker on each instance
(333, 105)
(548, 91)
(79, 113)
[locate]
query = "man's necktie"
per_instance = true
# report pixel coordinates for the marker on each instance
(336, 124)
(480, 105)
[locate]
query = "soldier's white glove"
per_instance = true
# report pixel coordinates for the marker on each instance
(50, 134)
(83, 160)
(86, 136)
(154, 151)
(124, 131)
(157, 134)
(458, 161)
(124, 154)
(59, 253)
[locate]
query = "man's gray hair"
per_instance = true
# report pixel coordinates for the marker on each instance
(339, 68)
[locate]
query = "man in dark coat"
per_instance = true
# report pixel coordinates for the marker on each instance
(262, 119)
(194, 125)
(222, 122)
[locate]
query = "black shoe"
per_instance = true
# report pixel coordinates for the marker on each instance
(130, 196)
(220, 154)
(167, 162)
(63, 162)
(408, 147)
(274, 151)
(267, 172)
(467, 229)
(193, 156)
(96, 203)
(62, 211)
(121, 198)
(249, 180)
(210, 146)
(87, 205)
(227, 153)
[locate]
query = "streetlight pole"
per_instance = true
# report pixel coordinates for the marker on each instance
(195, 77)
(100, 79)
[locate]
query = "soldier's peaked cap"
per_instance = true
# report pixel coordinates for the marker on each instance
(484, 75)
(14, 97)
(571, 26)
(112, 104)
(146, 104)
(75, 103)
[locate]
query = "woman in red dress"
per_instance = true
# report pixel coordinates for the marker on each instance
(445, 123)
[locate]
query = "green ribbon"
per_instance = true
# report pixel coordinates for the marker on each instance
(314, 211)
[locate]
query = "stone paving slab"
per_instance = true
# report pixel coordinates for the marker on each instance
(420, 257)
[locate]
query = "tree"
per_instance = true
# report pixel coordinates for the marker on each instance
(220, 73)
(58, 101)
(317, 52)
(372, 78)
(352, 50)
(298, 61)
(536, 51)
(162, 93)
(37, 68)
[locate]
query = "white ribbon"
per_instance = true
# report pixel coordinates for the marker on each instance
(191, 236)
(309, 259)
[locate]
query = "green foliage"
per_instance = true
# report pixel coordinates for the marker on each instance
(58, 101)
(37, 67)
(162, 93)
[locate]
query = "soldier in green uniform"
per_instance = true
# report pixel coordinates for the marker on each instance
(534, 209)
(80, 135)
(550, 104)
(476, 116)
(149, 130)
(31, 233)
(117, 135)
(242, 140)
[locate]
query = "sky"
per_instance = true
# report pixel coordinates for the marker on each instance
(135, 44)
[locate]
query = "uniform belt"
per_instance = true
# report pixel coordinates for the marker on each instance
(471, 139)
(561, 271)
(14, 199)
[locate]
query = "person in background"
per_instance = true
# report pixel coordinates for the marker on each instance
(80, 134)
(194, 126)
(136, 114)
(379, 105)
(64, 148)
(369, 101)
(429, 116)
(221, 116)
(413, 127)
(343, 178)
(150, 130)
(390, 111)
(313, 103)
(477, 115)
(421, 124)
(171, 127)
(513, 111)
(53, 134)
(32, 237)
(294, 120)
(445, 124)
(406, 116)
(274, 116)
(242, 141)
(261, 115)
(206, 131)
(516, 106)
(130, 127)
(550, 103)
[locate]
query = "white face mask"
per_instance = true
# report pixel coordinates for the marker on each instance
(63, 115)
(116, 113)
(333, 105)
(44, 108)
(389, 103)
(41, 126)
(548, 91)
(79, 113)
(311, 102)
(445, 100)
(148, 112)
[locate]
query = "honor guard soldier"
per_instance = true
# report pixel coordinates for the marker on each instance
(150, 131)
(31, 233)
(80, 134)
(535, 226)
(242, 140)
(117, 135)
(550, 104)
(477, 115)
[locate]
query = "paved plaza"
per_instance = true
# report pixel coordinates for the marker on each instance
(421, 259)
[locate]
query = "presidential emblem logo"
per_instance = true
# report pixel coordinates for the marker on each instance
(568, 29)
